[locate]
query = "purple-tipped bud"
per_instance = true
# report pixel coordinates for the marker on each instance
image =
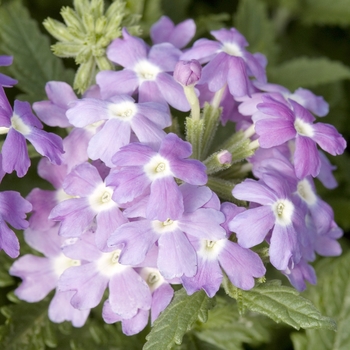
(187, 72)
(224, 157)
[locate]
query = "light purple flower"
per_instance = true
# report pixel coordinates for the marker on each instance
(146, 71)
(92, 205)
(162, 294)
(229, 62)
(315, 104)
(40, 276)
(139, 169)
(277, 212)
(53, 112)
(176, 255)
(128, 292)
(164, 31)
(4, 79)
(277, 124)
(13, 209)
(21, 125)
(241, 265)
(122, 116)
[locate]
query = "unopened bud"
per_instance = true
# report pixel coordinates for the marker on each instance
(187, 72)
(224, 157)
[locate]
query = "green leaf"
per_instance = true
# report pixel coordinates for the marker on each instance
(335, 12)
(209, 22)
(34, 64)
(252, 20)
(227, 329)
(5, 263)
(191, 342)
(281, 303)
(308, 72)
(152, 11)
(177, 319)
(331, 296)
(27, 327)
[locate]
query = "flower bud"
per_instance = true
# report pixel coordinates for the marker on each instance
(187, 72)
(224, 157)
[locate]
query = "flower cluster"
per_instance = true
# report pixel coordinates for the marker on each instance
(135, 208)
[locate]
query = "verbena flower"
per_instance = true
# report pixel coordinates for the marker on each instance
(20, 125)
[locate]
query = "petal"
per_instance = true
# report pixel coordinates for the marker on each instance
(88, 284)
(176, 256)
(107, 141)
(252, 226)
(306, 158)
(15, 154)
(284, 247)
(137, 238)
(128, 293)
(114, 83)
(127, 51)
(60, 310)
(241, 265)
(37, 275)
(165, 200)
(328, 138)
(208, 278)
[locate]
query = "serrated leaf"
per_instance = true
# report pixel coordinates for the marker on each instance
(280, 303)
(177, 319)
(27, 327)
(252, 20)
(308, 72)
(335, 12)
(332, 296)
(227, 329)
(34, 64)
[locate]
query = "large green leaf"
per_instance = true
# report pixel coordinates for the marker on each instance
(227, 329)
(308, 72)
(252, 20)
(332, 296)
(335, 12)
(280, 303)
(34, 64)
(177, 319)
(27, 327)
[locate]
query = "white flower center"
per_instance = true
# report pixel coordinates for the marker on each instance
(164, 226)
(152, 277)
(303, 128)
(306, 192)
(101, 198)
(146, 70)
(210, 250)
(157, 167)
(232, 49)
(61, 263)
(18, 124)
(108, 263)
(283, 210)
(124, 110)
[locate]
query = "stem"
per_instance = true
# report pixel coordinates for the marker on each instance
(218, 97)
(193, 101)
